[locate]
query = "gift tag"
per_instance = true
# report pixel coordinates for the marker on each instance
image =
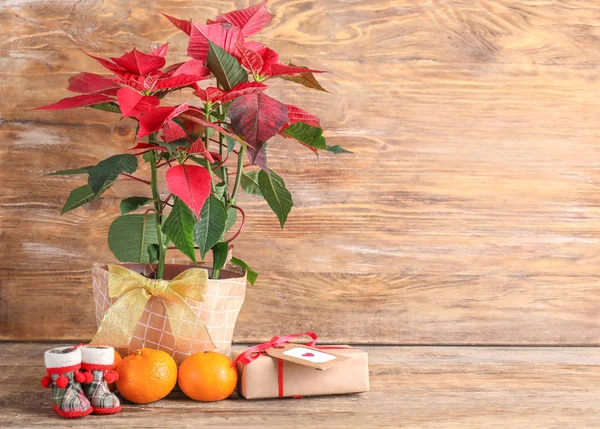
(309, 356)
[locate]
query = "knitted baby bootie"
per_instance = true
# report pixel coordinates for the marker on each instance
(63, 364)
(96, 366)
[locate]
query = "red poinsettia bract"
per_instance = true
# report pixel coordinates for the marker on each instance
(234, 118)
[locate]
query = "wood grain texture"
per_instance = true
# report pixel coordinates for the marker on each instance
(411, 387)
(469, 213)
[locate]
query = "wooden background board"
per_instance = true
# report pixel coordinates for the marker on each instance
(469, 213)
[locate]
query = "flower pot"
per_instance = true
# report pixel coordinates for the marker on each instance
(219, 311)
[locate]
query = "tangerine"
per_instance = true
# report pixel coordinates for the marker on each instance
(207, 376)
(146, 376)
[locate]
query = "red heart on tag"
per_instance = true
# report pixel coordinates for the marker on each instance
(308, 355)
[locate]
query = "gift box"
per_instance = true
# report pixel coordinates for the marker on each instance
(289, 370)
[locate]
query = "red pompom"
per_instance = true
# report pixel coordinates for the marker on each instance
(62, 381)
(46, 381)
(110, 377)
(80, 377)
(88, 377)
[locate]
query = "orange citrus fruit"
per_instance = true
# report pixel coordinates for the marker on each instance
(207, 376)
(113, 386)
(146, 376)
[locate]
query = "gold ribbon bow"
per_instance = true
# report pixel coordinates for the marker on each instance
(135, 290)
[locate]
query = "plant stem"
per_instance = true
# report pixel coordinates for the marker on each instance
(206, 140)
(219, 165)
(206, 118)
(166, 201)
(216, 272)
(239, 172)
(157, 216)
(239, 231)
(221, 149)
(135, 178)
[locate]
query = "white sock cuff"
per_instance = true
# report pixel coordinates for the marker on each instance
(98, 355)
(62, 357)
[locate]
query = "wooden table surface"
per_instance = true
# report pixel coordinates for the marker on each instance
(411, 387)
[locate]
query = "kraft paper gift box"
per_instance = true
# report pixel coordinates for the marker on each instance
(273, 374)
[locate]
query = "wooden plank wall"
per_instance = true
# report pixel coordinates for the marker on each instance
(469, 214)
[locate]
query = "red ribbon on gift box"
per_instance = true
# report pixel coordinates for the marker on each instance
(252, 353)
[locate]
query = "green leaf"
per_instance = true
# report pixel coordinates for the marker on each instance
(204, 163)
(179, 228)
(225, 107)
(337, 149)
(307, 134)
(106, 172)
(275, 193)
(133, 203)
(230, 143)
(220, 255)
(249, 183)
(214, 114)
(153, 253)
(167, 156)
(307, 79)
(225, 67)
(82, 170)
(172, 146)
(231, 218)
(221, 190)
(78, 197)
(209, 229)
(251, 274)
(108, 107)
(160, 156)
(219, 172)
(130, 235)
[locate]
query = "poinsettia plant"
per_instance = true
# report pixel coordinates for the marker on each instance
(233, 118)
